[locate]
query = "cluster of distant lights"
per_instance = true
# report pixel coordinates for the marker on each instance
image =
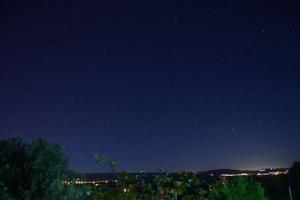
(84, 182)
(262, 172)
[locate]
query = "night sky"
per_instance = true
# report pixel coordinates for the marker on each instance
(154, 83)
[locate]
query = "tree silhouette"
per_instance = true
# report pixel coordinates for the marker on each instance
(34, 171)
(100, 159)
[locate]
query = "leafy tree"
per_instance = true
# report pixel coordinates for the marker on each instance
(35, 171)
(163, 184)
(237, 189)
(49, 168)
(14, 169)
(193, 188)
(103, 193)
(3, 193)
(128, 186)
(187, 186)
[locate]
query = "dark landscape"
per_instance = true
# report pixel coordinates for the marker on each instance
(149, 100)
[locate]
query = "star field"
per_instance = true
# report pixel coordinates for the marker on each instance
(151, 84)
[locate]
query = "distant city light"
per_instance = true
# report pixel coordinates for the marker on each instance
(261, 172)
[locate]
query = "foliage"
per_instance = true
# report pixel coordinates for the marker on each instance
(163, 187)
(39, 171)
(3, 193)
(34, 171)
(100, 159)
(237, 189)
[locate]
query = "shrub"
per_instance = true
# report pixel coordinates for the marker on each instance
(34, 171)
(237, 189)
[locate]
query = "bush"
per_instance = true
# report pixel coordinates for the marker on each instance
(34, 171)
(237, 189)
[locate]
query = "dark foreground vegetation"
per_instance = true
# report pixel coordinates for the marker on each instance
(39, 171)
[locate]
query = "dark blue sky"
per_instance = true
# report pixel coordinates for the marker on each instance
(154, 84)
